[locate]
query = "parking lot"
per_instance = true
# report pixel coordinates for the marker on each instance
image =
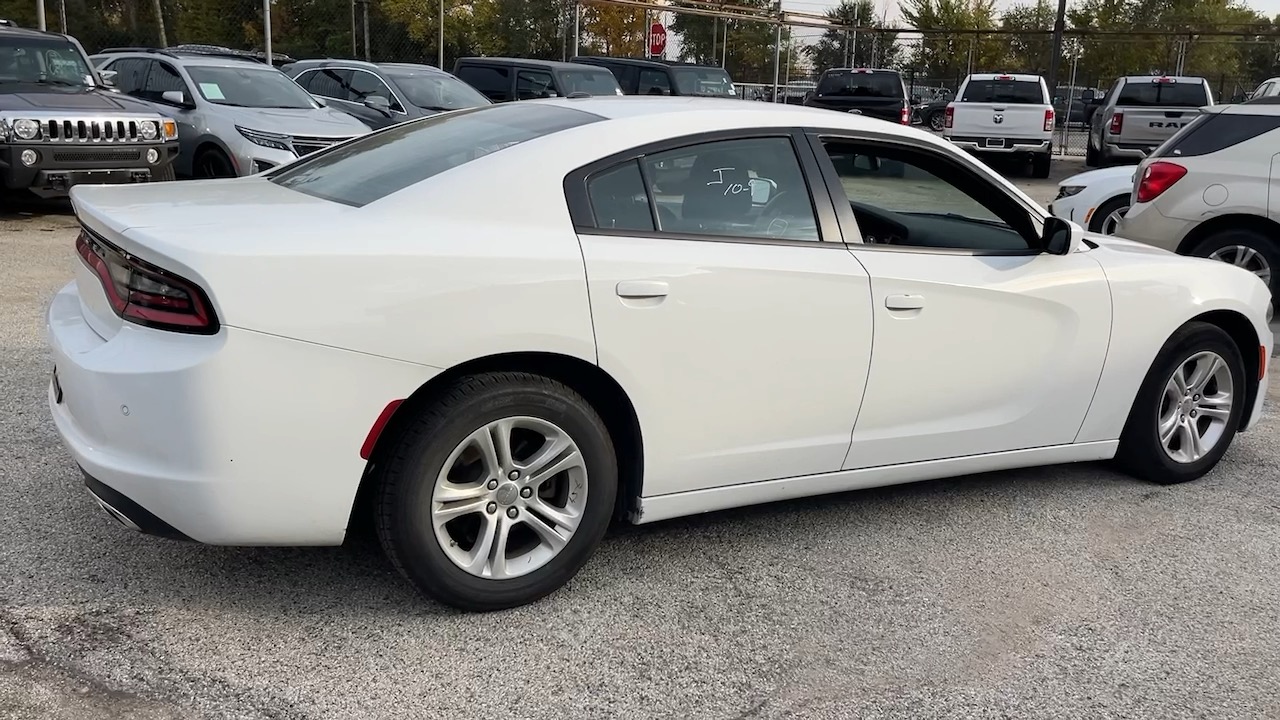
(1063, 592)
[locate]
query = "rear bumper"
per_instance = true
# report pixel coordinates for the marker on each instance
(238, 438)
(1131, 152)
(1007, 146)
(1145, 223)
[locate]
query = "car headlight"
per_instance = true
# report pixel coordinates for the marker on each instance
(170, 129)
(270, 140)
(147, 129)
(26, 129)
(1068, 191)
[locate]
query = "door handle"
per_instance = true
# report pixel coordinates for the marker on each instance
(904, 302)
(642, 289)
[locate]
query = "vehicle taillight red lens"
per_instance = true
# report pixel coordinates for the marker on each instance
(948, 116)
(145, 294)
(1117, 123)
(1048, 120)
(904, 115)
(1158, 177)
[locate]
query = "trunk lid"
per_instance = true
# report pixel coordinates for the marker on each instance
(1005, 120)
(1151, 126)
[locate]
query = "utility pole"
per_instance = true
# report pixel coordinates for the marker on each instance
(40, 14)
(440, 37)
(1059, 25)
(266, 27)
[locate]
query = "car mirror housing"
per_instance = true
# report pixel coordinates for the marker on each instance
(1060, 237)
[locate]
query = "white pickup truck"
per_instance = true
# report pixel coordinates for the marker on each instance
(1002, 114)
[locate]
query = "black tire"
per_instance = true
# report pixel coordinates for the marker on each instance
(1104, 210)
(1251, 239)
(1141, 453)
(212, 163)
(417, 456)
(936, 121)
(1041, 165)
(164, 174)
(1090, 155)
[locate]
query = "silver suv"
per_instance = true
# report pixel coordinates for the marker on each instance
(234, 116)
(1207, 191)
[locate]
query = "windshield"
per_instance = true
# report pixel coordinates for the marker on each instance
(703, 81)
(40, 60)
(1163, 94)
(249, 87)
(1016, 92)
(592, 81)
(861, 84)
(435, 90)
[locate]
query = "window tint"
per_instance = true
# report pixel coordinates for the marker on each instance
(744, 188)
(654, 82)
(593, 81)
(1024, 92)
(533, 84)
(916, 199)
(163, 78)
(329, 82)
(249, 86)
(1163, 94)
(492, 81)
(1209, 133)
(365, 85)
(131, 75)
(703, 81)
(432, 90)
(382, 163)
(860, 84)
(27, 59)
(618, 199)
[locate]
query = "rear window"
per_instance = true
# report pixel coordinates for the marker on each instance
(703, 81)
(593, 81)
(1023, 92)
(1209, 133)
(376, 165)
(864, 84)
(1163, 94)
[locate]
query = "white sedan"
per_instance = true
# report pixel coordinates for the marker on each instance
(1096, 199)
(495, 330)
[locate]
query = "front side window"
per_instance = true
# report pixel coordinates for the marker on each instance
(703, 81)
(493, 81)
(534, 84)
(589, 80)
(379, 164)
(751, 188)
(365, 85)
(654, 82)
(914, 198)
(249, 87)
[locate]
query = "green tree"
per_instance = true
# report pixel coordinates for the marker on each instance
(876, 46)
(951, 55)
(1030, 49)
(749, 55)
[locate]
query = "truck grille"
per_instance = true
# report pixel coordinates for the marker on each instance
(96, 130)
(303, 145)
(97, 155)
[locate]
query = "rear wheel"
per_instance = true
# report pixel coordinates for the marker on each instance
(1246, 249)
(1090, 155)
(936, 121)
(497, 494)
(1107, 217)
(1188, 408)
(1040, 165)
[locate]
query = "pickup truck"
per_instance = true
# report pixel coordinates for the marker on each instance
(1004, 115)
(873, 92)
(1139, 113)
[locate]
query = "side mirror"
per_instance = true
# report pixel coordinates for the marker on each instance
(866, 163)
(175, 97)
(1059, 236)
(1087, 96)
(378, 103)
(761, 190)
(108, 77)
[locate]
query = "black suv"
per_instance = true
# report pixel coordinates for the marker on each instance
(662, 77)
(61, 125)
(866, 91)
(505, 79)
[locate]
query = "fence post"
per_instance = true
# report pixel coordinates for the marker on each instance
(266, 28)
(441, 36)
(777, 58)
(577, 27)
(40, 14)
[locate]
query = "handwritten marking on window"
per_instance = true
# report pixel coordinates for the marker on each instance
(730, 188)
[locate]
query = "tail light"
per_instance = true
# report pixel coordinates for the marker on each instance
(1158, 177)
(1117, 123)
(948, 117)
(904, 115)
(145, 294)
(1048, 120)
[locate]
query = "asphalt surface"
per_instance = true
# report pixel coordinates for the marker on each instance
(1064, 592)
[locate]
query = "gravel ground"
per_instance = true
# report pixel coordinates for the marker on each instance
(1065, 592)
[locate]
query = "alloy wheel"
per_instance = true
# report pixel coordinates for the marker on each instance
(1245, 257)
(1112, 221)
(509, 498)
(1195, 407)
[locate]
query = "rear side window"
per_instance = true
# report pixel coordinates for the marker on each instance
(1014, 92)
(376, 165)
(619, 200)
(494, 82)
(593, 81)
(1163, 94)
(1210, 133)
(850, 83)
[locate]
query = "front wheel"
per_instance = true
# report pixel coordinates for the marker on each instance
(1107, 217)
(497, 494)
(1188, 408)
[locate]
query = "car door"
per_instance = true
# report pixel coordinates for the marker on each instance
(730, 312)
(364, 85)
(983, 343)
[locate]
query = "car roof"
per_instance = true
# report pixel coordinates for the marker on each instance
(1020, 77)
(551, 64)
(859, 70)
(364, 64)
(180, 57)
(613, 107)
(30, 32)
(1153, 78)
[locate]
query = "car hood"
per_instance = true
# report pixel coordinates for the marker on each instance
(318, 122)
(1122, 173)
(45, 98)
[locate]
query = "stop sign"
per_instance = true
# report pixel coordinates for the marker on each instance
(657, 39)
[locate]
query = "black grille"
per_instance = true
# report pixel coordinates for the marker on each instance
(98, 155)
(303, 149)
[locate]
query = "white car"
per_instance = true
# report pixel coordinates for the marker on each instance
(495, 330)
(1096, 199)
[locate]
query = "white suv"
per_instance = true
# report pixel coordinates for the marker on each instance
(1208, 190)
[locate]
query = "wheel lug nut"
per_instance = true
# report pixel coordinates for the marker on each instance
(513, 475)
(491, 508)
(512, 513)
(526, 492)
(1196, 398)
(493, 484)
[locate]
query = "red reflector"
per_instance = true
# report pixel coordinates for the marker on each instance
(378, 426)
(1262, 362)
(1158, 177)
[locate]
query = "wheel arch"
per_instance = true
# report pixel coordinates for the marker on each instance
(1229, 221)
(211, 142)
(1122, 196)
(599, 388)
(1242, 332)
